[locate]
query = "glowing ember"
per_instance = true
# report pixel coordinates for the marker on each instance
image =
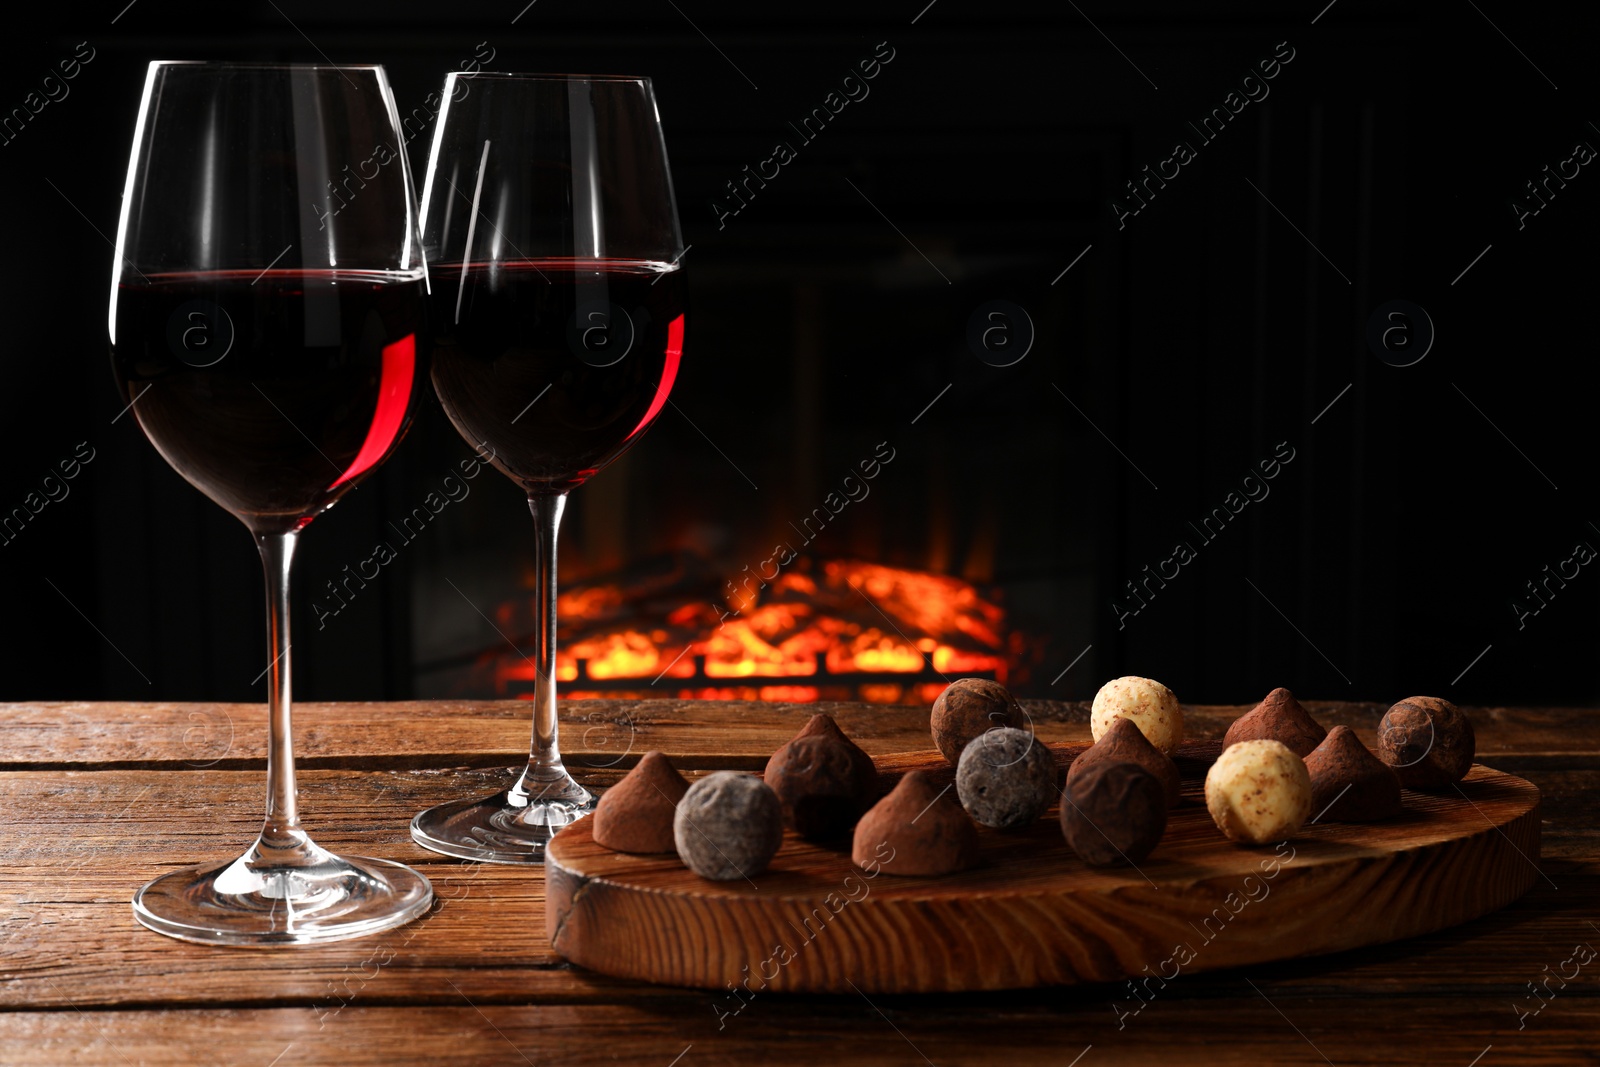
(841, 630)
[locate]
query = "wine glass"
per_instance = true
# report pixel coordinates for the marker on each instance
(558, 306)
(267, 294)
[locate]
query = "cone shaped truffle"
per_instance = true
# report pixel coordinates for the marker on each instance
(1279, 717)
(824, 781)
(916, 829)
(1428, 742)
(1124, 742)
(635, 815)
(1114, 813)
(1349, 783)
(969, 707)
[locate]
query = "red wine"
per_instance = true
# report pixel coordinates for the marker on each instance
(556, 366)
(272, 393)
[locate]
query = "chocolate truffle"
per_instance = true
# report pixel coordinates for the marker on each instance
(1114, 812)
(1349, 783)
(916, 829)
(728, 825)
(967, 708)
(1006, 778)
(1152, 707)
(1258, 792)
(1123, 742)
(1279, 717)
(1428, 742)
(823, 781)
(635, 815)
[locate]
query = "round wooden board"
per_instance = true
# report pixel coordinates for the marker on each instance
(1032, 914)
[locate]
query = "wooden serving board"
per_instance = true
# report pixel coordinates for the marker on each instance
(1032, 914)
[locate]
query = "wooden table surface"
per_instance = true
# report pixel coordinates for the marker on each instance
(97, 798)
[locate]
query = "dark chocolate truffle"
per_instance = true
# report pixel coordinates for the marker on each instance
(635, 815)
(1279, 717)
(967, 708)
(824, 781)
(1114, 813)
(1124, 742)
(728, 825)
(1349, 783)
(1006, 778)
(1428, 742)
(916, 829)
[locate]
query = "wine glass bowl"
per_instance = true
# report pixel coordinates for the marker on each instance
(558, 310)
(531, 371)
(266, 319)
(273, 441)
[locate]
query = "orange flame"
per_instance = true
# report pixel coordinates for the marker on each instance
(849, 617)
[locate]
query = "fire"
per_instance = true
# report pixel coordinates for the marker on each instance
(844, 629)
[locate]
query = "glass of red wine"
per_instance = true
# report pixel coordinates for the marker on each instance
(558, 310)
(268, 298)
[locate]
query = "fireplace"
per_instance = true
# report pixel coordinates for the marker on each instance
(678, 625)
(922, 550)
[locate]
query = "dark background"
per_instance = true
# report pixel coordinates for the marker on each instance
(1173, 356)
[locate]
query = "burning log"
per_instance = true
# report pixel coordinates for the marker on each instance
(850, 628)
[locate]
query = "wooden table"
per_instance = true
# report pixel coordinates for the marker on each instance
(99, 797)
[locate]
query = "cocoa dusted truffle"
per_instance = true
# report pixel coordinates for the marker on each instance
(1428, 742)
(635, 815)
(1006, 778)
(916, 829)
(967, 708)
(823, 780)
(1279, 717)
(1349, 783)
(1124, 742)
(1114, 813)
(728, 825)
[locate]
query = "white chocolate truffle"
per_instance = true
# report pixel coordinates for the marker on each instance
(1258, 792)
(1146, 703)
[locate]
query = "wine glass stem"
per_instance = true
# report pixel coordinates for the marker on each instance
(281, 828)
(545, 755)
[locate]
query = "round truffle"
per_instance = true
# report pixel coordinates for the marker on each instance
(968, 707)
(1428, 742)
(1006, 778)
(1349, 783)
(1258, 792)
(635, 815)
(1114, 813)
(1279, 717)
(1124, 743)
(728, 825)
(823, 780)
(917, 829)
(1151, 706)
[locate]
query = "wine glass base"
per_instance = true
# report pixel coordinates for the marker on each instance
(498, 829)
(234, 903)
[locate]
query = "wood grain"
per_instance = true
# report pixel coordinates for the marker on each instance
(1234, 1025)
(1031, 914)
(100, 796)
(67, 937)
(595, 733)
